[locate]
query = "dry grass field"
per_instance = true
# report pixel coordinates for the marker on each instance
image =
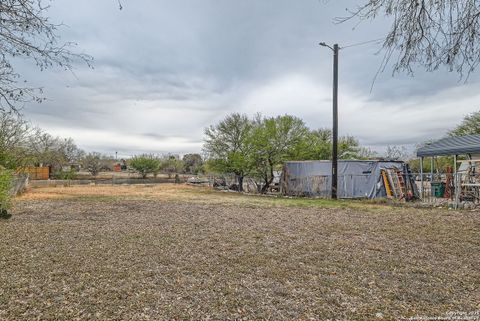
(168, 252)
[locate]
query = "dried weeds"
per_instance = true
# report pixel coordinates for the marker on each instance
(188, 253)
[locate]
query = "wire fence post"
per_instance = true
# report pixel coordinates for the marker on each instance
(422, 193)
(455, 186)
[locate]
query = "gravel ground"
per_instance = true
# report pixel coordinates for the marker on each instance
(165, 260)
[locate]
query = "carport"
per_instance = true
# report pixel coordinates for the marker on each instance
(449, 146)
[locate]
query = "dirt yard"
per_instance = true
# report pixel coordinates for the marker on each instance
(171, 252)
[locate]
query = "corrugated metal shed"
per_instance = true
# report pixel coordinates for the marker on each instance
(460, 145)
(356, 178)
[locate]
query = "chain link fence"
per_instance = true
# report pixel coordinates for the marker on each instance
(19, 184)
(456, 190)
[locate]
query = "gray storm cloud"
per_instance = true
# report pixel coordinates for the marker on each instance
(164, 70)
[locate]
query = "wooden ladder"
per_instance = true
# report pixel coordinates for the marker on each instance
(386, 182)
(401, 184)
(397, 183)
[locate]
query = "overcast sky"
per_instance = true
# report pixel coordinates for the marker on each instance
(164, 70)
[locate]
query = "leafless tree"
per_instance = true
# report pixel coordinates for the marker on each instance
(14, 135)
(46, 149)
(26, 32)
(427, 33)
(93, 163)
(396, 153)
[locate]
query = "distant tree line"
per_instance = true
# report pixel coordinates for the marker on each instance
(146, 164)
(22, 145)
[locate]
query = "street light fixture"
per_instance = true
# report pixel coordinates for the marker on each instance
(335, 50)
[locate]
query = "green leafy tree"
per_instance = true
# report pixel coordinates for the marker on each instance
(171, 165)
(348, 147)
(145, 164)
(440, 164)
(275, 140)
(317, 145)
(470, 125)
(228, 147)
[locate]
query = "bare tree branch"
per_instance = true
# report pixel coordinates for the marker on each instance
(427, 33)
(25, 32)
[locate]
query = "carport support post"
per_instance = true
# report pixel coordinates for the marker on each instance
(421, 177)
(432, 164)
(455, 188)
(455, 164)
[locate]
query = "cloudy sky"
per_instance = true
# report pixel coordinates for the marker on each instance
(164, 70)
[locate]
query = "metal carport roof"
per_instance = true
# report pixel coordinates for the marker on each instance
(460, 145)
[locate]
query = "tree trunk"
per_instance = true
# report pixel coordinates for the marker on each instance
(267, 185)
(268, 181)
(240, 183)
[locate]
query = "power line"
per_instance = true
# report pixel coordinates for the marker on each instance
(363, 43)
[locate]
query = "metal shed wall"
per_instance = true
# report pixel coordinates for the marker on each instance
(356, 179)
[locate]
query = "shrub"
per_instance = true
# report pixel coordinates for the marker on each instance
(71, 174)
(6, 180)
(145, 164)
(93, 163)
(171, 165)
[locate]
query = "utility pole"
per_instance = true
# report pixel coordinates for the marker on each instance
(335, 50)
(335, 123)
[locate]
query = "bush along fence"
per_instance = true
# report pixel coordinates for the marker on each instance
(10, 186)
(6, 180)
